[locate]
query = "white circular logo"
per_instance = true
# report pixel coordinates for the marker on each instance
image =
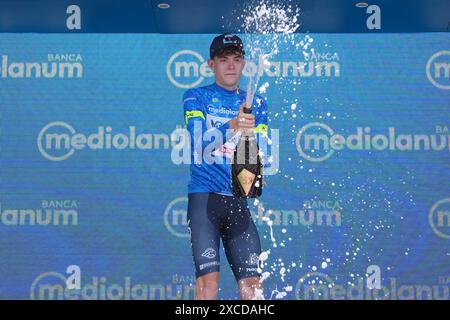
(438, 72)
(42, 276)
(439, 218)
(42, 145)
(310, 282)
(176, 67)
(301, 150)
(175, 217)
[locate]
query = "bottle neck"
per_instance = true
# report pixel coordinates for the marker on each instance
(249, 133)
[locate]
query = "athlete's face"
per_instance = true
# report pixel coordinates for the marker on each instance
(228, 69)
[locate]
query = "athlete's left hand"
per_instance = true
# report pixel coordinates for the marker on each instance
(243, 121)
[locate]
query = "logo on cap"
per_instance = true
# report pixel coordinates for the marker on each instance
(228, 39)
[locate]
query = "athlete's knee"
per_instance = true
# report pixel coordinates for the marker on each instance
(251, 288)
(207, 286)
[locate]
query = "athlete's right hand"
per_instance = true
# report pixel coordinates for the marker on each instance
(243, 121)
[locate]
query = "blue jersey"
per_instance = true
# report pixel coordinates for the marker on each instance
(210, 108)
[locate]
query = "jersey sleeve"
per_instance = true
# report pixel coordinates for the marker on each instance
(193, 109)
(262, 128)
(261, 120)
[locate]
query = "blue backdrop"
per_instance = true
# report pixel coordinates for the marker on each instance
(87, 177)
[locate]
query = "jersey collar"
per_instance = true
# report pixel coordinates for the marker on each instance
(226, 91)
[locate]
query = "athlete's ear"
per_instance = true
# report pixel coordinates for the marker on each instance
(211, 63)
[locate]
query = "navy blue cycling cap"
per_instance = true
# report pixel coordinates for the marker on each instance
(223, 41)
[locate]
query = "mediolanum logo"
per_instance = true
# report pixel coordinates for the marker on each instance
(56, 66)
(59, 140)
(187, 69)
(175, 217)
(438, 70)
(317, 141)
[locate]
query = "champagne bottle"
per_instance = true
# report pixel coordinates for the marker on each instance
(246, 168)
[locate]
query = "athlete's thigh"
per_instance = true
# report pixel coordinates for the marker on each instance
(204, 234)
(241, 241)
